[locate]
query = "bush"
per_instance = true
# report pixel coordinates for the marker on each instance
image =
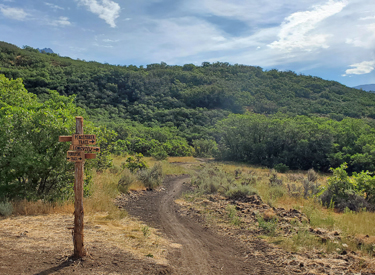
(294, 191)
(354, 193)
(127, 178)
(310, 188)
(239, 192)
(232, 215)
(159, 154)
(204, 148)
(269, 227)
(281, 168)
(210, 180)
(6, 208)
(114, 170)
(249, 180)
(214, 180)
(151, 178)
(312, 176)
(135, 163)
(274, 180)
(276, 192)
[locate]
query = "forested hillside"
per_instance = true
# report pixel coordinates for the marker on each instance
(165, 110)
(161, 93)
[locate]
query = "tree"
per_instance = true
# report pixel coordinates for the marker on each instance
(32, 162)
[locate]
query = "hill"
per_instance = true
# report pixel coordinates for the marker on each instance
(366, 87)
(235, 112)
(182, 96)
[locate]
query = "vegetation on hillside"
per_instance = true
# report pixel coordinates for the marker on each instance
(298, 142)
(33, 162)
(232, 112)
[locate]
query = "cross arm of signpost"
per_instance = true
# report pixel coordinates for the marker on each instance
(80, 145)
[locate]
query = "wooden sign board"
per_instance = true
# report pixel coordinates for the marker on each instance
(75, 156)
(83, 139)
(84, 148)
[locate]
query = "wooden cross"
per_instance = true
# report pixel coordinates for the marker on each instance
(78, 155)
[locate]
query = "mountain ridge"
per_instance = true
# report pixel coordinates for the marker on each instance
(182, 96)
(366, 87)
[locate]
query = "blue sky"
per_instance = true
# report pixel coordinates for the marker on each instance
(332, 39)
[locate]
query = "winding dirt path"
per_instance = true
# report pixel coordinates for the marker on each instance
(201, 251)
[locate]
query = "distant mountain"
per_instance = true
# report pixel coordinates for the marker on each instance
(45, 50)
(366, 87)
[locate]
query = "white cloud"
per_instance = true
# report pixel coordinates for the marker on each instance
(13, 13)
(53, 6)
(110, 40)
(364, 67)
(365, 37)
(264, 11)
(367, 18)
(62, 21)
(295, 32)
(107, 10)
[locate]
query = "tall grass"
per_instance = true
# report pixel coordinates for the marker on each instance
(24, 207)
(104, 191)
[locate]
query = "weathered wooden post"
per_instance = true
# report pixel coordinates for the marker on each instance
(78, 156)
(79, 249)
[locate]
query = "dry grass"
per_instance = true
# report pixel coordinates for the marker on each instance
(104, 191)
(25, 207)
(49, 232)
(169, 168)
(105, 223)
(182, 160)
(352, 225)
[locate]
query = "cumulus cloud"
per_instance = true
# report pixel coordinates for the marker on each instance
(13, 13)
(62, 21)
(53, 6)
(364, 67)
(107, 10)
(295, 32)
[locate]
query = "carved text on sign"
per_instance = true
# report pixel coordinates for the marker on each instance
(84, 148)
(83, 139)
(75, 156)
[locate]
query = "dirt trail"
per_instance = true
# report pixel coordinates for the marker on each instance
(201, 251)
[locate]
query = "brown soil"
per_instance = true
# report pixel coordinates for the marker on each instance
(43, 245)
(199, 249)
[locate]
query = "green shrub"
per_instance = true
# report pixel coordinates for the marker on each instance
(312, 176)
(127, 178)
(269, 227)
(6, 208)
(281, 168)
(232, 215)
(115, 169)
(238, 192)
(249, 180)
(135, 163)
(153, 177)
(274, 180)
(276, 192)
(212, 180)
(310, 188)
(354, 193)
(159, 154)
(204, 148)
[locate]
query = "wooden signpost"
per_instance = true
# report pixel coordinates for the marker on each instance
(77, 155)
